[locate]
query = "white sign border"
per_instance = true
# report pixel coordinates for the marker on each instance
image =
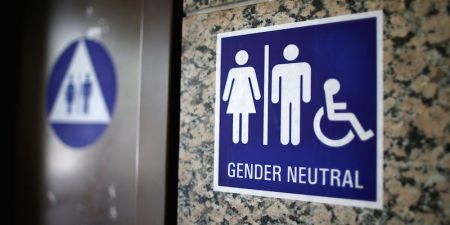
(378, 204)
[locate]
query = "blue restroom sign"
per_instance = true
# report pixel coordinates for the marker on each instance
(81, 93)
(299, 111)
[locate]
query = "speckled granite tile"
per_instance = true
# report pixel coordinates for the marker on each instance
(416, 111)
(192, 5)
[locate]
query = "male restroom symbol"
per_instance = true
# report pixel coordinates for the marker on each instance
(87, 89)
(239, 94)
(295, 80)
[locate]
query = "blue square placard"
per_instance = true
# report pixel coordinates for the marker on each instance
(299, 111)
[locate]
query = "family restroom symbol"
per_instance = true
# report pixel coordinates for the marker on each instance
(78, 95)
(80, 98)
(290, 85)
(81, 93)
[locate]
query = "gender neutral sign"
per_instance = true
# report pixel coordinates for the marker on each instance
(81, 93)
(299, 111)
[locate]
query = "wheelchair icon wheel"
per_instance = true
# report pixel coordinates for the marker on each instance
(324, 139)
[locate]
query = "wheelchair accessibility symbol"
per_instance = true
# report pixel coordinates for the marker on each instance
(332, 87)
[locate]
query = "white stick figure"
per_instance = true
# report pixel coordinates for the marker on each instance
(238, 91)
(332, 87)
(295, 79)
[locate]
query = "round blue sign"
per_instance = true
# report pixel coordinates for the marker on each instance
(81, 93)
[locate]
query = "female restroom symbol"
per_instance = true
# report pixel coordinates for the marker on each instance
(239, 94)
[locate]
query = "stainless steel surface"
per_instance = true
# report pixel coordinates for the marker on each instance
(154, 112)
(121, 178)
(97, 184)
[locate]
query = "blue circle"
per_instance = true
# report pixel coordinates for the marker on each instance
(79, 135)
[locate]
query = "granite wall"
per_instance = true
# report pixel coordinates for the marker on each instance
(416, 115)
(192, 5)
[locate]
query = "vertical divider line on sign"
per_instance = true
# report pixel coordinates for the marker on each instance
(266, 93)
